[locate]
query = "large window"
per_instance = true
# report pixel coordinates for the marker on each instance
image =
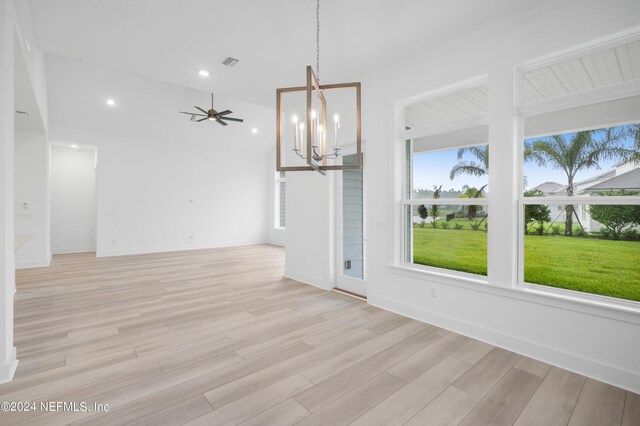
(446, 180)
(446, 207)
(280, 194)
(581, 211)
(565, 178)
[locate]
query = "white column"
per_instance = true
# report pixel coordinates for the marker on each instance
(8, 361)
(504, 130)
(310, 228)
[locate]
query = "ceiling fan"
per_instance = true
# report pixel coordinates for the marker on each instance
(212, 115)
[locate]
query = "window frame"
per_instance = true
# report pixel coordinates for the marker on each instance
(611, 308)
(576, 100)
(400, 256)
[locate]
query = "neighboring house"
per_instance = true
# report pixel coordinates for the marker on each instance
(624, 175)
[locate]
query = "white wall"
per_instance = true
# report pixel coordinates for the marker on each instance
(32, 187)
(163, 182)
(154, 195)
(8, 362)
(596, 341)
(310, 236)
(13, 30)
(73, 200)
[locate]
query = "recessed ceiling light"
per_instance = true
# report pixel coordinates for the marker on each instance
(111, 102)
(74, 146)
(203, 73)
(254, 130)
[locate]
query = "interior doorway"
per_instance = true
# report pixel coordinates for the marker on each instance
(73, 199)
(351, 239)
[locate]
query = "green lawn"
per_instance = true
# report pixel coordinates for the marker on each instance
(610, 268)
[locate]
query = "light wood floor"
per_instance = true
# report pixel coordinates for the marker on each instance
(219, 337)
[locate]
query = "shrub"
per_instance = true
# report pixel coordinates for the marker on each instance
(535, 213)
(605, 232)
(444, 225)
(434, 223)
(458, 226)
(539, 230)
(630, 234)
(616, 218)
(474, 225)
(556, 229)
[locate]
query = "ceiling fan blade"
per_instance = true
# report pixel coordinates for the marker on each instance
(225, 112)
(221, 122)
(200, 109)
(192, 113)
(202, 119)
(240, 120)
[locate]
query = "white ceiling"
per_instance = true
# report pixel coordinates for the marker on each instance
(453, 106)
(148, 109)
(598, 69)
(171, 39)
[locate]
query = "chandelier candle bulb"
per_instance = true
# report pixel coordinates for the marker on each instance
(314, 128)
(336, 126)
(301, 126)
(296, 143)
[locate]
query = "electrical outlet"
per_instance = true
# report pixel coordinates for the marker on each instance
(191, 238)
(432, 292)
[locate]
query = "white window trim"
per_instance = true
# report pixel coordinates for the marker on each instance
(400, 254)
(590, 97)
(604, 306)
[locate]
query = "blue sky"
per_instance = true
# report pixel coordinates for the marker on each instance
(433, 169)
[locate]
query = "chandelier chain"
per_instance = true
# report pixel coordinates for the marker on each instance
(318, 40)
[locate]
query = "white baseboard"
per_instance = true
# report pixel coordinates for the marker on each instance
(308, 279)
(8, 368)
(149, 250)
(71, 250)
(26, 264)
(610, 374)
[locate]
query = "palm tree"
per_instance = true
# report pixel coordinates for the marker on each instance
(583, 151)
(479, 168)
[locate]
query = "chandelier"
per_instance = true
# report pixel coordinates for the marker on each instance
(316, 123)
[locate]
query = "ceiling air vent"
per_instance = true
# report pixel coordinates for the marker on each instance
(230, 62)
(22, 113)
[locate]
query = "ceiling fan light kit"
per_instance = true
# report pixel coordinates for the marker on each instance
(212, 115)
(314, 122)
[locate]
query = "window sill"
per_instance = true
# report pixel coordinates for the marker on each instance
(442, 274)
(279, 228)
(623, 311)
